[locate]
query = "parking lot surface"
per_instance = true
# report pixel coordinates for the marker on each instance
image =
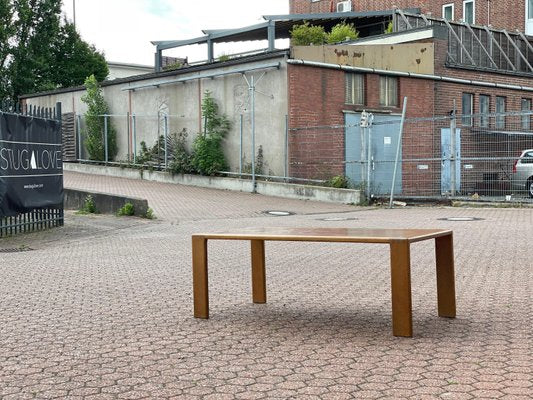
(102, 308)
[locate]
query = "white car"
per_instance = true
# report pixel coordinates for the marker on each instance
(523, 172)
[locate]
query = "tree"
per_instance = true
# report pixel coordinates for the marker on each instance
(95, 123)
(38, 52)
(75, 60)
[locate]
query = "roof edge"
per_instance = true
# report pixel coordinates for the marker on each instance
(181, 71)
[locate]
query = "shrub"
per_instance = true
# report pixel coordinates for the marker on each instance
(389, 29)
(149, 214)
(339, 182)
(180, 161)
(89, 206)
(208, 156)
(94, 120)
(127, 209)
(342, 32)
(305, 35)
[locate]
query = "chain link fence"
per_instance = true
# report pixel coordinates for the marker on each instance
(453, 156)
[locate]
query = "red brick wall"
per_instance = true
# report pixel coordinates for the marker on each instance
(509, 14)
(317, 99)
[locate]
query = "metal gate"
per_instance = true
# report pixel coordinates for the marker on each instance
(373, 165)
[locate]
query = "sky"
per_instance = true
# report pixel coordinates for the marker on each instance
(123, 29)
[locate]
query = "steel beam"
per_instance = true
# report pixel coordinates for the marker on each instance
(518, 50)
(493, 40)
(404, 18)
(481, 45)
(459, 41)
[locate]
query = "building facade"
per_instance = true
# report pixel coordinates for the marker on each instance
(511, 15)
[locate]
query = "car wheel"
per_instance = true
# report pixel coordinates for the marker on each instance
(529, 187)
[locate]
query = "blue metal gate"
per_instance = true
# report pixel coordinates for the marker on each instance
(383, 134)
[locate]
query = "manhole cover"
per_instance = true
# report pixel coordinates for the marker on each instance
(16, 250)
(278, 213)
(461, 219)
(337, 219)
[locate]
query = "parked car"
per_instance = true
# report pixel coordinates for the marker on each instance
(522, 178)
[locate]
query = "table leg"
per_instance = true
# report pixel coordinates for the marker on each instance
(402, 318)
(199, 277)
(258, 271)
(445, 276)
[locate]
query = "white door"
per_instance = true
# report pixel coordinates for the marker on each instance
(529, 17)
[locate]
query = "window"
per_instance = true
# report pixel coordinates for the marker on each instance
(527, 158)
(388, 91)
(355, 88)
(500, 110)
(525, 120)
(469, 11)
(484, 107)
(448, 11)
(466, 109)
(529, 9)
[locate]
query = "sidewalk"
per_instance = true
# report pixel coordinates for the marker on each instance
(102, 308)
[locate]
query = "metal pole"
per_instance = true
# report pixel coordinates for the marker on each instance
(240, 142)
(134, 129)
(74, 12)
(165, 119)
(400, 134)
(80, 147)
(252, 89)
(286, 145)
(453, 128)
(368, 161)
(106, 147)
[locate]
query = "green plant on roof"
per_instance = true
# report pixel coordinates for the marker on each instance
(342, 32)
(306, 34)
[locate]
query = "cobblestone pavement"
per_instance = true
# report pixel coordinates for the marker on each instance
(102, 308)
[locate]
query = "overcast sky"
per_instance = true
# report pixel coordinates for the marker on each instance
(123, 29)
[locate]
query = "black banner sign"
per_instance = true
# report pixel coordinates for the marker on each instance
(31, 165)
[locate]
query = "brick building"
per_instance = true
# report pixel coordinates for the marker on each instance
(511, 15)
(308, 122)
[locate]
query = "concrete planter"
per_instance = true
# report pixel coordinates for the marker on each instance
(277, 189)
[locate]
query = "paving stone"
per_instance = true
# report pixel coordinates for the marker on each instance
(102, 308)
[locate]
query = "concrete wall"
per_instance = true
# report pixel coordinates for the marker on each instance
(182, 102)
(408, 57)
(276, 189)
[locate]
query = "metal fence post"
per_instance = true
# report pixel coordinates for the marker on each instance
(252, 89)
(453, 166)
(398, 148)
(78, 123)
(106, 147)
(240, 142)
(165, 119)
(286, 174)
(134, 130)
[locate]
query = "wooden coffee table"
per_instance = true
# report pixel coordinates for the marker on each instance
(399, 241)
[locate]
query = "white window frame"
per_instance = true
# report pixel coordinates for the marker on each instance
(525, 122)
(473, 10)
(445, 6)
(388, 101)
(484, 119)
(500, 121)
(466, 119)
(350, 91)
